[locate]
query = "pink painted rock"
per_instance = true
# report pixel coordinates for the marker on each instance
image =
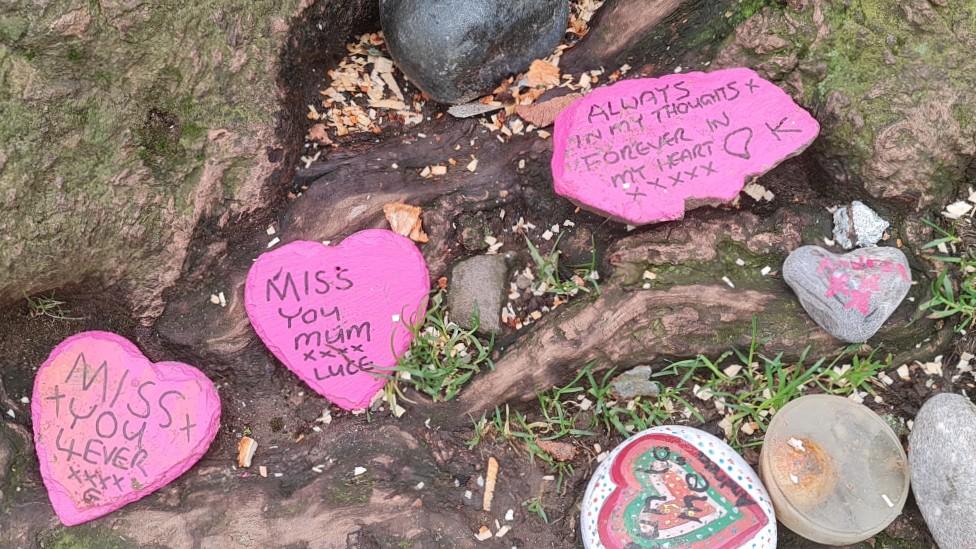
(678, 487)
(339, 316)
(111, 427)
(641, 151)
(851, 295)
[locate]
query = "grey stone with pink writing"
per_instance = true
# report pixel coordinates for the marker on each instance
(851, 295)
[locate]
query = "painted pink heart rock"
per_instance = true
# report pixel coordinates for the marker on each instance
(642, 151)
(111, 427)
(851, 295)
(339, 316)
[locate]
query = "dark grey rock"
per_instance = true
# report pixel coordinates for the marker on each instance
(851, 295)
(941, 449)
(634, 383)
(858, 225)
(478, 287)
(458, 50)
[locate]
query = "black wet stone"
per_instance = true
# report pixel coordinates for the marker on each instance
(459, 50)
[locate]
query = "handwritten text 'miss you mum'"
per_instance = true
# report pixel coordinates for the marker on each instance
(322, 336)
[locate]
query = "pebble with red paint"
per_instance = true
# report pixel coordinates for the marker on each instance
(111, 427)
(338, 316)
(851, 295)
(680, 487)
(642, 151)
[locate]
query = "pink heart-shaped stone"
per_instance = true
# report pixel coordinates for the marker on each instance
(339, 316)
(111, 427)
(643, 151)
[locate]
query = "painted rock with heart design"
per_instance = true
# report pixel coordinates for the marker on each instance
(643, 151)
(339, 316)
(111, 427)
(676, 487)
(851, 295)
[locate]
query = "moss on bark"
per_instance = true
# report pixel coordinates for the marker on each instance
(122, 125)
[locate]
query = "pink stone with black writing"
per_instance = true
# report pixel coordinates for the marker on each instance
(643, 151)
(851, 295)
(111, 427)
(339, 316)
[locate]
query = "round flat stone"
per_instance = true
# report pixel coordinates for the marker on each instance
(339, 316)
(674, 486)
(111, 427)
(835, 471)
(643, 151)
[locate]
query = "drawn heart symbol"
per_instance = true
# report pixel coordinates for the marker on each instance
(339, 316)
(111, 427)
(851, 295)
(676, 487)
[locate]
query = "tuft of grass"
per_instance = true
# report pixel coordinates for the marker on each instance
(741, 390)
(38, 306)
(954, 289)
(548, 280)
(536, 507)
(442, 357)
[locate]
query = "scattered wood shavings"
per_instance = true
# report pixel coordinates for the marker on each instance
(493, 245)
(483, 534)
(758, 193)
(473, 165)
(246, 448)
(438, 170)
(933, 368)
(358, 471)
(542, 74)
(510, 515)
(405, 220)
(502, 531)
(492, 477)
(319, 134)
(903, 372)
(957, 209)
(733, 370)
(263, 471)
(726, 425)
